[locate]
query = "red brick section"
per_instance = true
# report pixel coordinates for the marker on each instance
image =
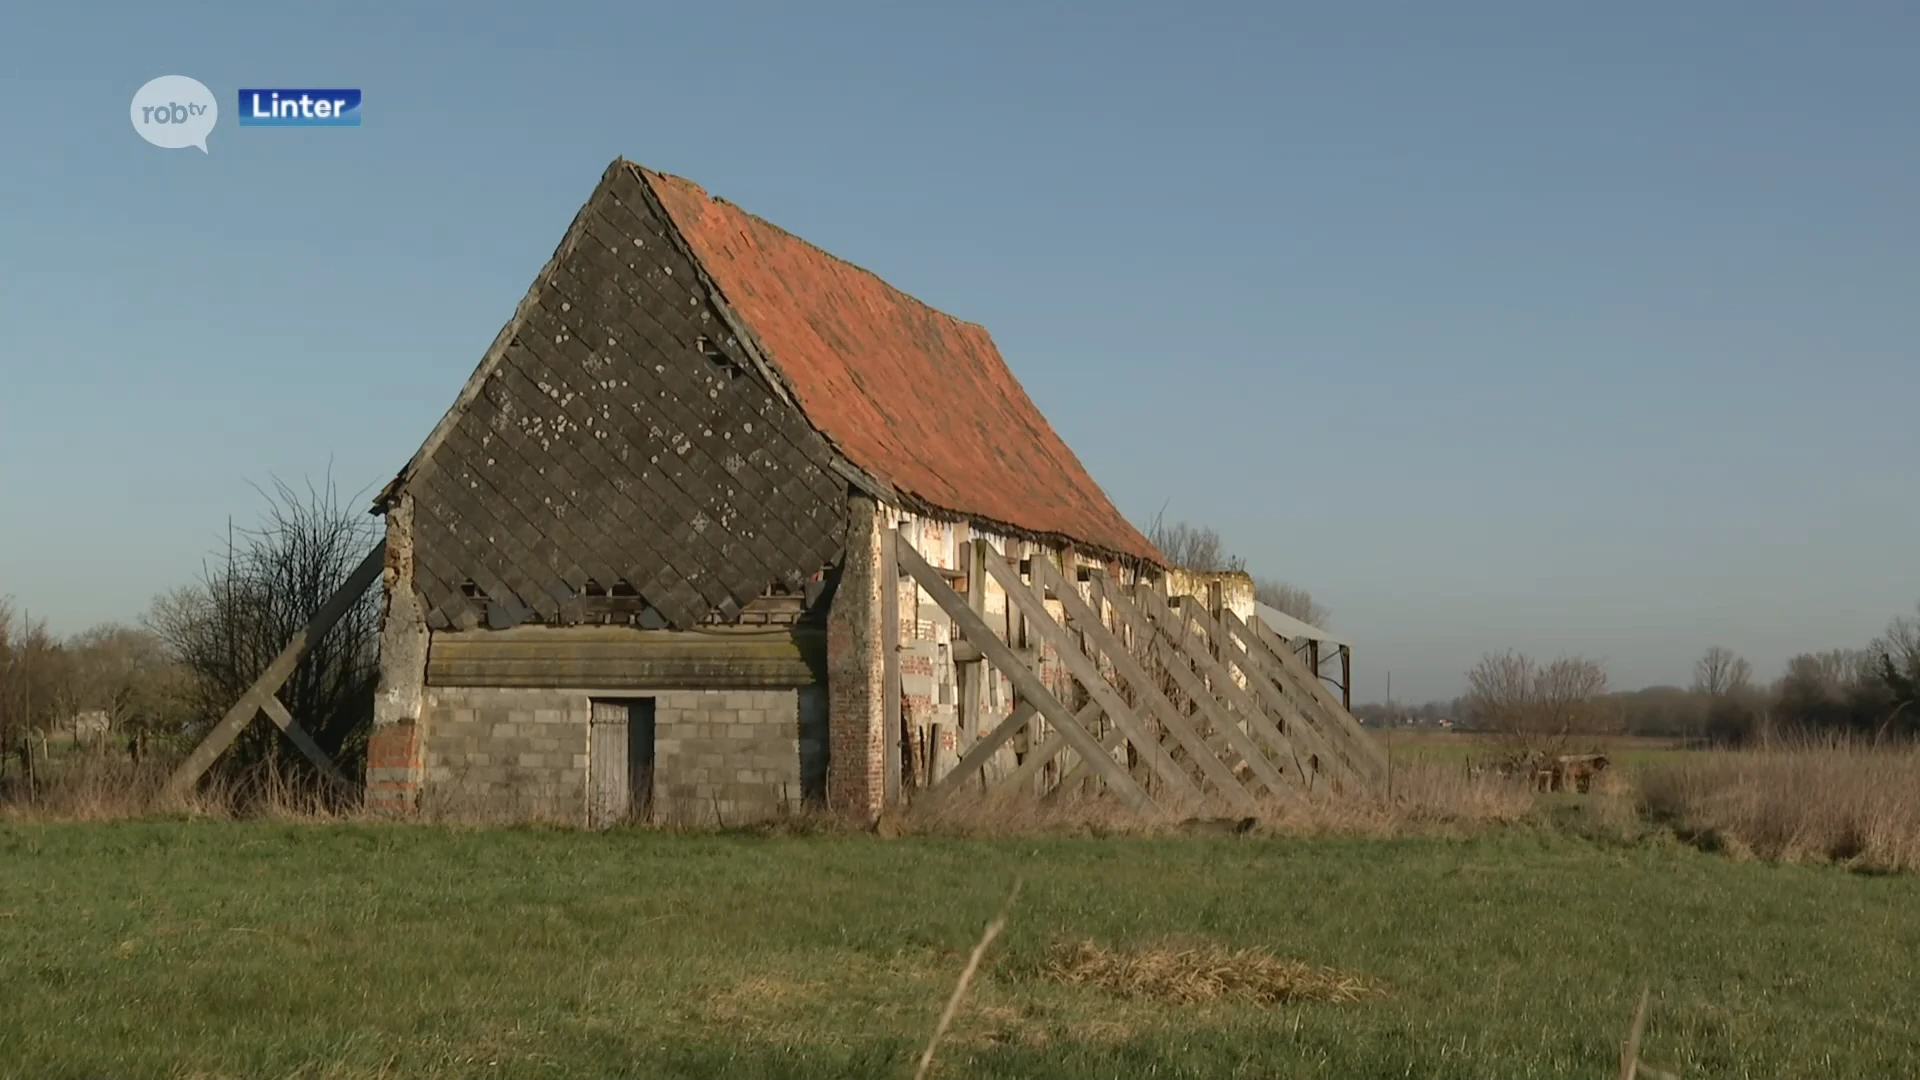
(915, 397)
(394, 768)
(856, 750)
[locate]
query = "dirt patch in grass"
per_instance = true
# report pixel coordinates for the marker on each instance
(1188, 975)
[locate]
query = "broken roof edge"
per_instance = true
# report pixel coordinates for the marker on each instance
(1286, 626)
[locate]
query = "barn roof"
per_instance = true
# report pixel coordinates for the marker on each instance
(913, 397)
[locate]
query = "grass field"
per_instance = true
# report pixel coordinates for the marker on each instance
(1466, 747)
(258, 949)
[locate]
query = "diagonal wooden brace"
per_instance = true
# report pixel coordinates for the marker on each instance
(222, 734)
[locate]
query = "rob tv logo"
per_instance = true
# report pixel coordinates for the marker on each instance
(280, 107)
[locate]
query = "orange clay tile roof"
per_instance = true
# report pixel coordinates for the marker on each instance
(913, 397)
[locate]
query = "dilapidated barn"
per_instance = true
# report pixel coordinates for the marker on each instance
(722, 526)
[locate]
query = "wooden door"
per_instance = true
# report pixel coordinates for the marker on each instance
(620, 762)
(609, 783)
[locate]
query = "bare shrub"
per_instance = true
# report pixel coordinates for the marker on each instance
(1831, 799)
(273, 578)
(1538, 708)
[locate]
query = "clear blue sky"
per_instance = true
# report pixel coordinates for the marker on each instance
(1563, 327)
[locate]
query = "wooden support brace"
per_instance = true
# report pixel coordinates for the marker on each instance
(1021, 777)
(1113, 741)
(1082, 668)
(982, 751)
(1025, 682)
(1346, 678)
(1302, 723)
(1370, 759)
(303, 742)
(269, 682)
(1207, 683)
(1145, 690)
(972, 678)
(1294, 782)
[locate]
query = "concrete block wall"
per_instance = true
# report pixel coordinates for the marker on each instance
(734, 756)
(725, 756)
(511, 754)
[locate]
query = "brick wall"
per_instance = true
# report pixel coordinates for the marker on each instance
(393, 768)
(731, 756)
(856, 783)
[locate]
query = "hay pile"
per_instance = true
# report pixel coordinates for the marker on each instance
(1201, 973)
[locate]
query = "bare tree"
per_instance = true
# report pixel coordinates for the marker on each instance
(1897, 654)
(1839, 689)
(35, 684)
(1536, 707)
(1200, 548)
(1721, 673)
(1292, 600)
(1193, 547)
(125, 674)
(272, 579)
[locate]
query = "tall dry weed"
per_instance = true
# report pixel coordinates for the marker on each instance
(1822, 800)
(105, 787)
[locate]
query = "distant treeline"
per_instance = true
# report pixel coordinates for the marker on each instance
(1868, 691)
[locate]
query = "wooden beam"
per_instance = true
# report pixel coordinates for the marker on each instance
(891, 753)
(303, 742)
(1223, 686)
(1300, 725)
(1336, 711)
(1025, 682)
(982, 751)
(1346, 678)
(222, 734)
(1083, 669)
(1147, 691)
(1262, 642)
(1022, 776)
(1110, 740)
(972, 678)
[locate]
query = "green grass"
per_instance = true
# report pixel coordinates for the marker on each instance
(223, 949)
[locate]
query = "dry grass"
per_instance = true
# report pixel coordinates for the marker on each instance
(1829, 800)
(1201, 973)
(1424, 798)
(96, 787)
